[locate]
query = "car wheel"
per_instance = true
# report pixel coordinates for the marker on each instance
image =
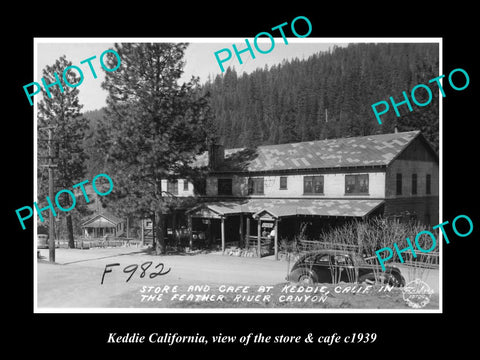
(307, 278)
(380, 279)
(399, 280)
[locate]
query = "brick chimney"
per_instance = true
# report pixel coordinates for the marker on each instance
(216, 155)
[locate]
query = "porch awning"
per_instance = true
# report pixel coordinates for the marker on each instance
(287, 207)
(217, 209)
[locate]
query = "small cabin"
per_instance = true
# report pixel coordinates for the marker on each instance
(101, 225)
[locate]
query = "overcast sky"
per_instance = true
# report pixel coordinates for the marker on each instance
(199, 59)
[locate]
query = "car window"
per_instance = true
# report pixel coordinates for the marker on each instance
(359, 260)
(343, 260)
(308, 259)
(317, 259)
(322, 259)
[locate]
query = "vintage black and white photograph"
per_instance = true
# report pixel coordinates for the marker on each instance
(268, 175)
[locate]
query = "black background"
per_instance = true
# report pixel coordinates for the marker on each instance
(86, 334)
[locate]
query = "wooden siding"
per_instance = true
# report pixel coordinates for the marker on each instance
(333, 186)
(424, 209)
(418, 150)
(407, 168)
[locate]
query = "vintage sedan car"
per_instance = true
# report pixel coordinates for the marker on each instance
(42, 241)
(334, 266)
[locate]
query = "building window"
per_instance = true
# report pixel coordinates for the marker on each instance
(200, 186)
(283, 183)
(414, 184)
(399, 184)
(224, 186)
(313, 184)
(356, 184)
(172, 187)
(185, 185)
(429, 184)
(255, 186)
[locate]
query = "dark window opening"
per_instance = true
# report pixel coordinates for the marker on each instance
(172, 187)
(313, 184)
(428, 184)
(414, 184)
(200, 186)
(255, 186)
(356, 184)
(399, 184)
(224, 186)
(283, 183)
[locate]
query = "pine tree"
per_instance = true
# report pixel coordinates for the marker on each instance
(157, 128)
(62, 112)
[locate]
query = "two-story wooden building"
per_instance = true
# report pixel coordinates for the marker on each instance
(319, 183)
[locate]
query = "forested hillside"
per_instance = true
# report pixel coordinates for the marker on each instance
(328, 95)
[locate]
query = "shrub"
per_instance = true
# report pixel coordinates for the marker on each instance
(366, 237)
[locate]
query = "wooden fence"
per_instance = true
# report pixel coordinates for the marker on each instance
(99, 243)
(266, 244)
(309, 245)
(425, 260)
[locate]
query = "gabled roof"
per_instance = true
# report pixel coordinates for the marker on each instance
(371, 150)
(101, 220)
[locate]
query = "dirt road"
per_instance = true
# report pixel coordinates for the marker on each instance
(76, 278)
(75, 281)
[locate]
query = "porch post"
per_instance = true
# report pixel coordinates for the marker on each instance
(259, 234)
(190, 234)
(247, 240)
(276, 239)
(223, 234)
(241, 231)
(174, 226)
(209, 234)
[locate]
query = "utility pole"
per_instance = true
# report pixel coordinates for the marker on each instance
(50, 166)
(51, 229)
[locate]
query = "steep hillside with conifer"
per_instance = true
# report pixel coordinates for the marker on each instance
(328, 95)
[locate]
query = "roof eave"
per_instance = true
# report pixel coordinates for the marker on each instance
(300, 170)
